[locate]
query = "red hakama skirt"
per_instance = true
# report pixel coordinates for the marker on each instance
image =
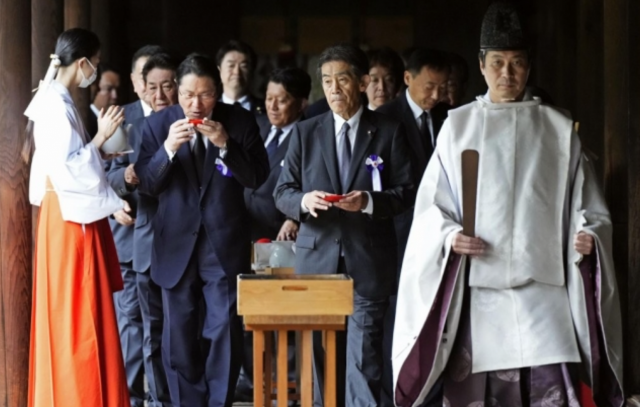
(75, 357)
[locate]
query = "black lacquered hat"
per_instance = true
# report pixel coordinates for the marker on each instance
(502, 28)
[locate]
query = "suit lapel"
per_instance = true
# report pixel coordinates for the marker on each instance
(413, 132)
(184, 155)
(213, 152)
(327, 139)
(366, 133)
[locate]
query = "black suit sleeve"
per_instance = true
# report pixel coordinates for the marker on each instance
(153, 166)
(393, 200)
(247, 158)
(288, 192)
(115, 176)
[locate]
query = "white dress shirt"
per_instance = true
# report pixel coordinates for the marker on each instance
(146, 108)
(286, 130)
(417, 113)
(244, 101)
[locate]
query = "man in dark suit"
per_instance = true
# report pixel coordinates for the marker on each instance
(361, 155)
(287, 93)
(237, 63)
(128, 312)
(140, 108)
(421, 111)
(159, 73)
(197, 158)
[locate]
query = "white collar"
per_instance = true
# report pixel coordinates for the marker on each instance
(353, 120)
(146, 108)
(526, 98)
(286, 129)
(417, 110)
(229, 101)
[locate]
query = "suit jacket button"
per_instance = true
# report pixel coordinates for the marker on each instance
(195, 233)
(337, 241)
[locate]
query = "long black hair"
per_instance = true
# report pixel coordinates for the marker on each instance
(76, 43)
(73, 44)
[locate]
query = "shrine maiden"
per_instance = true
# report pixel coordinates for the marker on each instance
(75, 356)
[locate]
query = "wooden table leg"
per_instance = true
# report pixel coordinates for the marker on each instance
(282, 373)
(258, 372)
(330, 381)
(306, 370)
(268, 366)
(298, 357)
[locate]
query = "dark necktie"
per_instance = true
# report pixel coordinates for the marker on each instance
(272, 147)
(426, 132)
(345, 155)
(199, 152)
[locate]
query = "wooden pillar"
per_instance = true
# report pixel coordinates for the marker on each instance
(15, 210)
(100, 25)
(552, 24)
(47, 23)
(590, 77)
(632, 321)
(616, 166)
(77, 14)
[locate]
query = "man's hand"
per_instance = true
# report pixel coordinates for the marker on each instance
(354, 201)
(180, 132)
(122, 216)
(288, 231)
(471, 246)
(214, 131)
(583, 243)
(130, 176)
(314, 200)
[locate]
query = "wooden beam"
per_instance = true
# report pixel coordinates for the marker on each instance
(15, 210)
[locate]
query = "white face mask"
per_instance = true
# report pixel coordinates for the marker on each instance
(88, 81)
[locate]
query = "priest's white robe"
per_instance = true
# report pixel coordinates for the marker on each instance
(535, 191)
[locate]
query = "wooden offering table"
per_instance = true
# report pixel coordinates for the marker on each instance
(303, 303)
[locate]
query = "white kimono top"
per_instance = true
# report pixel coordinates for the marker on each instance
(64, 154)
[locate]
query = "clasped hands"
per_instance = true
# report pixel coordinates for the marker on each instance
(354, 201)
(583, 243)
(181, 132)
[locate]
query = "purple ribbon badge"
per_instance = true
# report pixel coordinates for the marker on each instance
(224, 170)
(374, 165)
